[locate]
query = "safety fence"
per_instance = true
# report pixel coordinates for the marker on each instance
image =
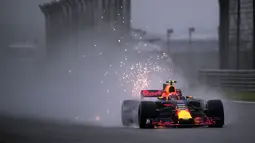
(237, 80)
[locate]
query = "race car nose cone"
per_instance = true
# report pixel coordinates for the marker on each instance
(184, 115)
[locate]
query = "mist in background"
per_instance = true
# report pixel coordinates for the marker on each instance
(92, 84)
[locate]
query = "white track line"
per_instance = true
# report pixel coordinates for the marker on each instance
(244, 102)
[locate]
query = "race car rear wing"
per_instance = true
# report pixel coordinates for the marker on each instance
(156, 93)
(151, 93)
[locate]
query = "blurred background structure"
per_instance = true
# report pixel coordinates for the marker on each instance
(66, 21)
(236, 47)
(236, 34)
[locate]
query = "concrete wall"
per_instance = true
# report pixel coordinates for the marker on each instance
(246, 34)
(229, 35)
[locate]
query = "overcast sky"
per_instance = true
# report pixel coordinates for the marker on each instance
(158, 15)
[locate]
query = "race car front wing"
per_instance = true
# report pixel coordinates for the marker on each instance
(168, 122)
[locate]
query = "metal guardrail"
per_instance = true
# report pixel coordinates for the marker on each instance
(238, 80)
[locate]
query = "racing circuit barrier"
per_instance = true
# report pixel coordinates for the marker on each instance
(237, 80)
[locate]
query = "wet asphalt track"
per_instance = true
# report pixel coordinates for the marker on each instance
(28, 131)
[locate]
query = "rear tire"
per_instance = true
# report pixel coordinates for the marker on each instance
(147, 109)
(126, 122)
(215, 109)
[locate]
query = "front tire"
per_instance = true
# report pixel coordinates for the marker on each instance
(215, 109)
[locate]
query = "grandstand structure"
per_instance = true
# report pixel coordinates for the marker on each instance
(68, 21)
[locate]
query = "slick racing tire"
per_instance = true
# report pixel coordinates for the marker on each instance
(215, 109)
(147, 109)
(127, 108)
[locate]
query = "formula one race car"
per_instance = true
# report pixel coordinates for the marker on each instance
(174, 112)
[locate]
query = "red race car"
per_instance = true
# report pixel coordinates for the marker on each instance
(171, 110)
